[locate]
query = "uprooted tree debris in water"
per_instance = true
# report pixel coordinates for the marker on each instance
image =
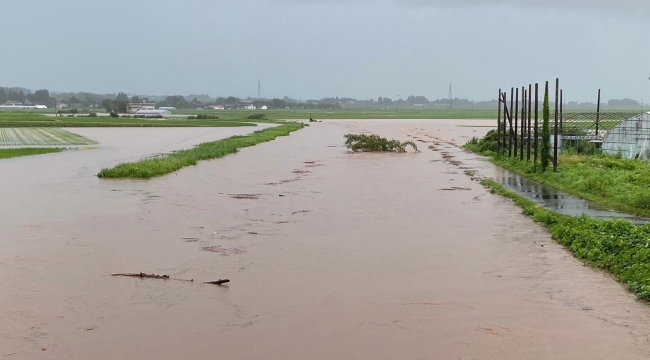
(167, 277)
(218, 282)
(369, 143)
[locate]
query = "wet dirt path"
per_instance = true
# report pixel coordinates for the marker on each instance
(331, 255)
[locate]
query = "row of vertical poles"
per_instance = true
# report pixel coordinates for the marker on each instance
(518, 135)
(518, 130)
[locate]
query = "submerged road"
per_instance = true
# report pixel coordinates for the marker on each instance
(331, 255)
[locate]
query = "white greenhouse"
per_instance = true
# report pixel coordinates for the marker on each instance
(631, 138)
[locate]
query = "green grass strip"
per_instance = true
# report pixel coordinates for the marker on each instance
(148, 168)
(610, 181)
(616, 246)
(622, 185)
(11, 153)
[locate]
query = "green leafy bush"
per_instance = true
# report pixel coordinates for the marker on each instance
(484, 146)
(203, 117)
(362, 142)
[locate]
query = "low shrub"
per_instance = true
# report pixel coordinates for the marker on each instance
(203, 117)
(368, 143)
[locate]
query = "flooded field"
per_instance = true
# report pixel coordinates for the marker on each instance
(330, 255)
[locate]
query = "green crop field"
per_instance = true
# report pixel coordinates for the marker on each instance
(40, 137)
(28, 119)
(348, 114)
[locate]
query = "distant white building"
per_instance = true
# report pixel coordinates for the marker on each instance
(249, 107)
(218, 107)
(159, 112)
(264, 107)
(133, 108)
(23, 107)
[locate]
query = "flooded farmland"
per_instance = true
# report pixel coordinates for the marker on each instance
(330, 255)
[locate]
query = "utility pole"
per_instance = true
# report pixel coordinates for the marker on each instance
(451, 99)
(259, 89)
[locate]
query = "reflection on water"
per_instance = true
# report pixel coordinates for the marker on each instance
(558, 201)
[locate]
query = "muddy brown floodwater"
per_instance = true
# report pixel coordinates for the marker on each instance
(331, 255)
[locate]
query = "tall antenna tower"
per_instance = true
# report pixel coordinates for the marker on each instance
(451, 99)
(259, 89)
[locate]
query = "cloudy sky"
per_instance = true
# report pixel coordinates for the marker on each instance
(317, 48)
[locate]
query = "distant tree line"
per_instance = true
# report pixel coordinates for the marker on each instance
(119, 101)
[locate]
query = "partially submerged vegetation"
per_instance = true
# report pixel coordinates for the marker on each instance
(148, 168)
(619, 184)
(11, 153)
(362, 142)
(617, 246)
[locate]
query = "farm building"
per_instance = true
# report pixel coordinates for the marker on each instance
(133, 108)
(631, 138)
(159, 112)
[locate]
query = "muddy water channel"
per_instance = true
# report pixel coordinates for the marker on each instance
(330, 255)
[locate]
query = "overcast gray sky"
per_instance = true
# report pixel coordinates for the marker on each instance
(318, 48)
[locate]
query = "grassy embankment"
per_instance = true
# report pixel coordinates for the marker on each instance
(148, 168)
(616, 246)
(11, 153)
(619, 184)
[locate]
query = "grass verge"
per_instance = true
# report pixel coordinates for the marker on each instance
(616, 246)
(148, 168)
(618, 184)
(622, 185)
(12, 153)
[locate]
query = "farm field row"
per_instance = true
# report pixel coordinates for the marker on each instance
(40, 137)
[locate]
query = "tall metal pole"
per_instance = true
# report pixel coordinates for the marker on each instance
(598, 113)
(512, 132)
(561, 109)
(499, 124)
(536, 123)
(555, 140)
(516, 119)
(502, 98)
(530, 95)
(523, 123)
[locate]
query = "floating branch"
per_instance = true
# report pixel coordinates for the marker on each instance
(219, 282)
(151, 276)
